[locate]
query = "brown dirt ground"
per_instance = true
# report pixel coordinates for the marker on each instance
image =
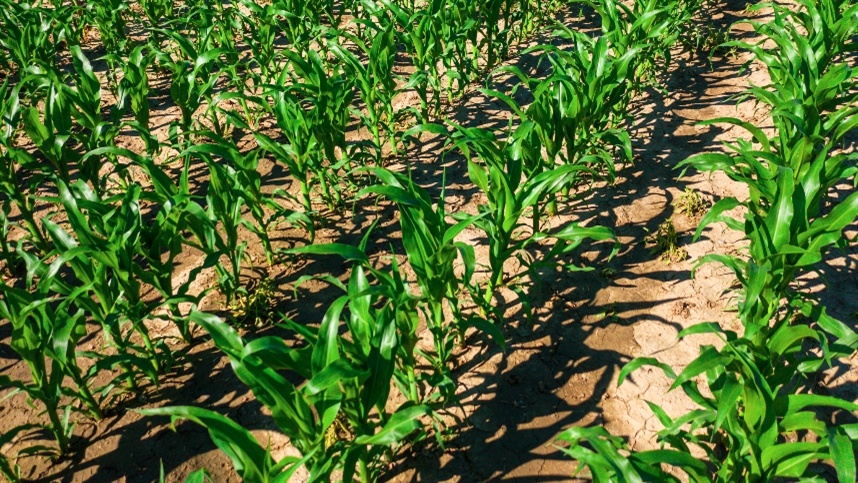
(561, 363)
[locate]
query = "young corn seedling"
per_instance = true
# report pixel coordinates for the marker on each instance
(747, 418)
(51, 130)
(418, 387)
(45, 338)
(332, 93)
(576, 111)
(67, 110)
(653, 26)
(375, 82)
(312, 117)
(421, 32)
(157, 10)
(755, 402)
(496, 38)
(791, 175)
(13, 163)
(30, 36)
(510, 194)
(259, 28)
(107, 16)
(97, 133)
(348, 382)
(193, 79)
(461, 60)
(302, 22)
(178, 221)
(133, 93)
(429, 241)
(233, 186)
(101, 252)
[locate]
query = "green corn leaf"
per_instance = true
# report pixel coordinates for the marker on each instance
(793, 403)
(347, 252)
(326, 349)
(728, 399)
(249, 458)
(715, 214)
(224, 336)
(402, 423)
(381, 364)
(692, 466)
(790, 460)
(637, 362)
(708, 359)
(841, 448)
(333, 374)
(789, 339)
(274, 353)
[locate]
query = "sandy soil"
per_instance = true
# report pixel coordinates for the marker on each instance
(561, 362)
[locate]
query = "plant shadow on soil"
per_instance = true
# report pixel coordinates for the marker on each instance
(558, 362)
(556, 367)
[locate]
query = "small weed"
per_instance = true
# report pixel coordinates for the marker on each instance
(705, 38)
(665, 241)
(691, 204)
(253, 308)
(340, 430)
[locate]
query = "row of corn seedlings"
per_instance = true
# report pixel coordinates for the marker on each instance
(91, 229)
(758, 417)
(517, 174)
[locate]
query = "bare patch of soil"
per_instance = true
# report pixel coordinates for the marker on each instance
(561, 362)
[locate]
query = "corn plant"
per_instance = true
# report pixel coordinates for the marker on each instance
(496, 39)
(33, 336)
(132, 93)
(193, 76)
(790, 175)
(422, 34)
(260, 27)
(15, 162)
(510, 193)
(338, 418)
(578, 108)
(312, 116)
(51, 132)
(375, 82)
(652, 26)
(101, 253)
(157, 10)
(577, 111)
(747, 422)
(178, 221)
(45, 336)
(302, 21)
(30, 36)
(756, 400)
(86, 105)
(332, 94)
(233, 186)
(429, 241)
(106, 15)
(417, 387)
(461, 63)
(609, 460)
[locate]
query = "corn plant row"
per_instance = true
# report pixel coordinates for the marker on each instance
(86, 266)
(92, 230)
(517, 177)
(760, 382)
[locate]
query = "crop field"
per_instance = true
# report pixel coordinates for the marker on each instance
(428, 240)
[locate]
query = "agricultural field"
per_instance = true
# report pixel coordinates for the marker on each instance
(428, 240)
